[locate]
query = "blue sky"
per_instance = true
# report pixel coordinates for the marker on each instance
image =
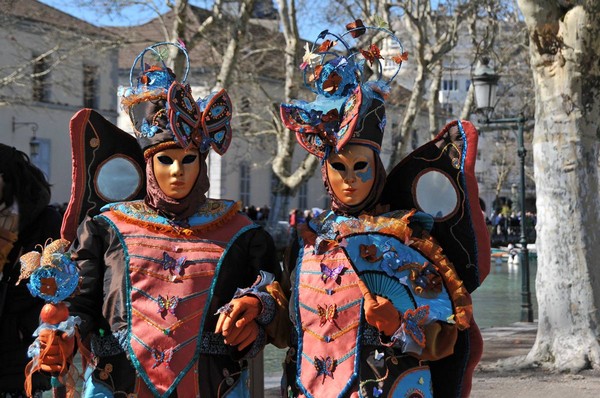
(128, 16)
(309, 26)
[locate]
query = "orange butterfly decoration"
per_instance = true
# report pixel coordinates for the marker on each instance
(400, 57)
(332, 83)
(327, 313)
(358, 26)
(325, 46)
(369, 253)
(372, 53)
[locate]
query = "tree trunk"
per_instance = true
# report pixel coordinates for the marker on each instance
(238, 31)
(564, 49)
(282, 164)
(401, 140)
(433, 101)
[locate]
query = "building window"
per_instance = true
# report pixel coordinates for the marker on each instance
(90, 86)
(450, 85)
(303, 196)
(467, 85)
(42, 158)
(41, 79)
(245, 184)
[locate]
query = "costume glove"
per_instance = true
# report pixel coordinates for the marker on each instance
(380, 312)
(237, 324)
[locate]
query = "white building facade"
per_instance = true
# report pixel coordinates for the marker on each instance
(51, 66)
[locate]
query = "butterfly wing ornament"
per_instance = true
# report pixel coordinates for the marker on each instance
(350, 111)
(216, 121)
(327, 313)
(29, 263)
(184, 115)
(167, 304)
(331, 273)
(413, 321)
(172, 264)
(325, 366)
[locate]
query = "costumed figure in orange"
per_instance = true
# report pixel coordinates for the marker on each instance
(377, 301)
(160, 262)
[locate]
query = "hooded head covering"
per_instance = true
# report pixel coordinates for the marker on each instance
(24, 183)
(346, 110)
(164, 115)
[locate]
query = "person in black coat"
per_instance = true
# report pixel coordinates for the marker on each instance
(26, 220)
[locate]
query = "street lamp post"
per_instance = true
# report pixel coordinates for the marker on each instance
(34, 143)
(485, 81)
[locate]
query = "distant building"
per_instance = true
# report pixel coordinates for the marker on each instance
(51, 65)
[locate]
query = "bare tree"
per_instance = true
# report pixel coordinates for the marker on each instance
(430, 30)
(283, 167)
(434, 33)
(564, 50)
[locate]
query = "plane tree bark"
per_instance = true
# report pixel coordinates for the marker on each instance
(564, 51)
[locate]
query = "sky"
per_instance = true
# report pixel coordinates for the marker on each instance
(128, 16)
(135, 15)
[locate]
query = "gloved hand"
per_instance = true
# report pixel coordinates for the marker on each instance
(380, 312)
(56, 351)
(237, 324)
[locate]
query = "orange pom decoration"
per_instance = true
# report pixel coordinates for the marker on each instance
(54, 314)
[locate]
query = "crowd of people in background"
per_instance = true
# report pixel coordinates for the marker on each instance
(260, 214)
(504, 225)
(295, 216)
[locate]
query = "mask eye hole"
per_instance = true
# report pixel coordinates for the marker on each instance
(338, 166)
(360, 165)
(189, 159)
(164, 159)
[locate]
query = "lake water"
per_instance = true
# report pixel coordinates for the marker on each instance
(497, 302)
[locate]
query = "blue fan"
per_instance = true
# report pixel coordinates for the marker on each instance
(390, 288)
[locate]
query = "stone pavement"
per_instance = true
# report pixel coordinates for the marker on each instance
(493, 381)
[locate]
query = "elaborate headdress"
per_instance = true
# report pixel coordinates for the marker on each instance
(164, 113)
(347, 107)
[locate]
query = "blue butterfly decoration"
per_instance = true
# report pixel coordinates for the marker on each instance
(413, 320)
(391, 261)
(331, 273)
(162, 357)
(172, 264)
(377, 392)
(167, 304)
(325, 366)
